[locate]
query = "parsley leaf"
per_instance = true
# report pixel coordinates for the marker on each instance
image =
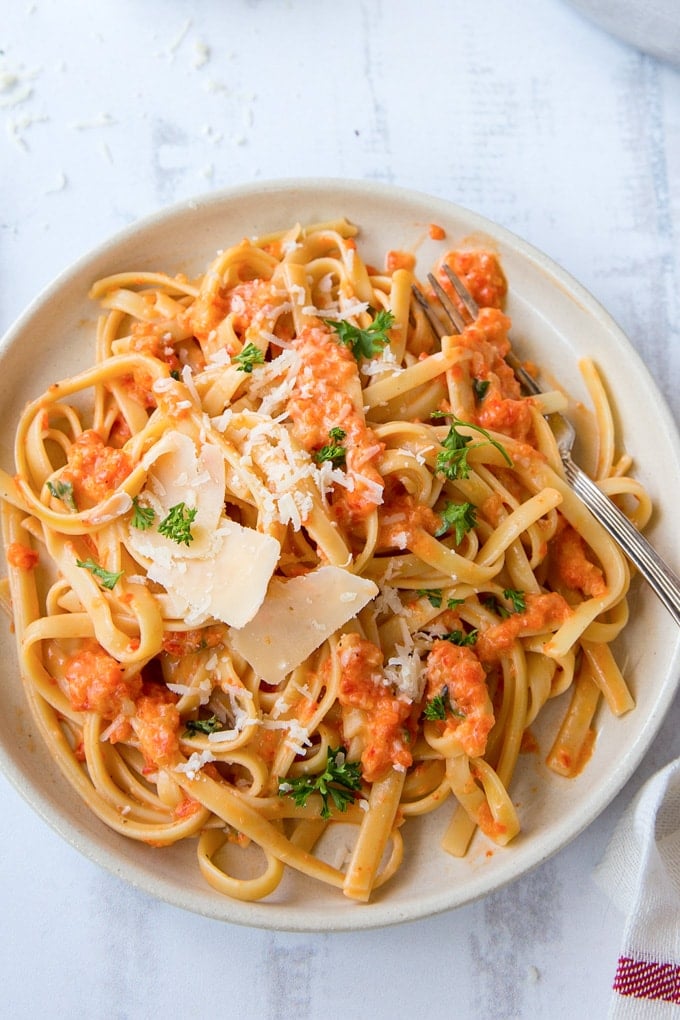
(108, 578)
(518, 599)
(142, 516)
(459, 637)
(461, 516)
(203, 725)
(440, 706)
(339, 781)
(435, 597)
(365, 343)
(495, 605)
(436, 707)
(64, 492)
(333, 451)
(480, 386)
(177, 525)
(452, 459)
(248, 357)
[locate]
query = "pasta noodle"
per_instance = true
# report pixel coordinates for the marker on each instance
(280, 560)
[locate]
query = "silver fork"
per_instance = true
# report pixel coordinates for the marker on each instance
(664, 581)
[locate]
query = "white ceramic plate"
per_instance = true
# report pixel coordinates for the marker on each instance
(554, 321)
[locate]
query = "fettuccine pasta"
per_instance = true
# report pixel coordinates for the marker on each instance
(280, 559)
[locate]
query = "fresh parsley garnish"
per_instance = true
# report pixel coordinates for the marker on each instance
(248, 357)
(333, 451)
(64, 492)
(365, 343)
(142, 516)
(437, 706)
(340, 780)
(518, 599)
(435, 598)
(480, 386)
(459, 637)
(460, 516)
(489, 601)
(452, 459)
(177, 525)
(108, 578)
(174, 374)
(433, 595)
(440, 706)
(203, 725)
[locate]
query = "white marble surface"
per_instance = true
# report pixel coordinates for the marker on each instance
(526, 113)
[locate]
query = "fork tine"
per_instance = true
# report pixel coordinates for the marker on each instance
(434, 322)
(527, 380)
(457, 320)
(447, 304)
(463, 293)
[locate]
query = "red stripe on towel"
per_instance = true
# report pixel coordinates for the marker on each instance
(645, 980)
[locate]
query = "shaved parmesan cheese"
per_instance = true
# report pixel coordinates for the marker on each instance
(223, 574)
(297, 616)
(229, 583)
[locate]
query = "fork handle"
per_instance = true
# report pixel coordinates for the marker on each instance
(664, 582)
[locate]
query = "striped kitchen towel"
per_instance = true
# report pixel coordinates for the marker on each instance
(641, 874)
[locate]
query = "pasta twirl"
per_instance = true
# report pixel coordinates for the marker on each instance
(280, 559)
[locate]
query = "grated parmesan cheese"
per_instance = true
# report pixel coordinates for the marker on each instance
(195, 763)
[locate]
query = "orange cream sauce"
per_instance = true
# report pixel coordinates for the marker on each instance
(459, 669)
(156, 724)
(184, 642)
(385, 735)
(96, 682)
(401, 515)
(481, 273)
(21, 556)
(574, 569)
(543, 612)
(94, 469)
(321, 401)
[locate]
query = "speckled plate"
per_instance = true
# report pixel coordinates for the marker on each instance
(556, 322)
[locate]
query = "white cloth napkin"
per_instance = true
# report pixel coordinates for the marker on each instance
(641, 874)
(651, 25)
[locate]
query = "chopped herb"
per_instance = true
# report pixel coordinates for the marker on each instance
(333, 451)
(461, 516)
(435, 597)
(459, 637)
(142, 516)
(480, 386)
(452, 459)
(495, 605)
(365, 343)
(108, 578)
(174, 374)
(64, 492)
(437, 706)
(440, 706)
(248, 357)
(177, 525)
(518, 599)
(203, 725)
(339, 781)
